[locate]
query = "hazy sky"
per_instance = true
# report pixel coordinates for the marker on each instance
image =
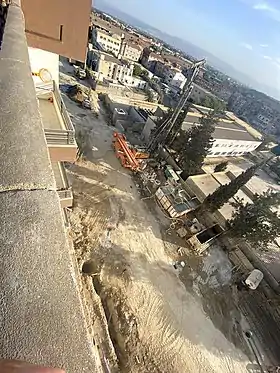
(244, 33)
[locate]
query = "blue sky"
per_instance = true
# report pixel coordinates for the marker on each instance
(244, 33)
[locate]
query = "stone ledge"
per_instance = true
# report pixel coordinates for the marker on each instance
(41, 313)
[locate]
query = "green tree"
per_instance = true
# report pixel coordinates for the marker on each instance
(195, 145)
(225, 192)
(221, 167)
(214, 103)
(137, 71)
(257, 222)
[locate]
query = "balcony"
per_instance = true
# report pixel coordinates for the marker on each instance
(63, 187)
(59, 130)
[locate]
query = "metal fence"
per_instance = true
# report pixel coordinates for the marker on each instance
(61, 136)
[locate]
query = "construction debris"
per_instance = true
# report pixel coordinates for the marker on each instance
(129, 157)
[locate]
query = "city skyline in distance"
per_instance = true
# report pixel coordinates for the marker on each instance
(259, 83)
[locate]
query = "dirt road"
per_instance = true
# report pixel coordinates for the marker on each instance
(156, 325)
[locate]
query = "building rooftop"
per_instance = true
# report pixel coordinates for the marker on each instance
(109, 33)
(226, 130)
(208, 183)
(134, 45)
(205, 91)
(177, 60)
(156, 56)
(110, 58)
(229, 126)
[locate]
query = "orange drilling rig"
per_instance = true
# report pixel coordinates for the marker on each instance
(129, 157)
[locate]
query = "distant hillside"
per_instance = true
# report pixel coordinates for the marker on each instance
(186, 47)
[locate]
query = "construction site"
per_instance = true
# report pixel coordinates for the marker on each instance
(159, 285)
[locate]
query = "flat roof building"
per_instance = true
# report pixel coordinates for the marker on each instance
(232, 137)
(203, 185)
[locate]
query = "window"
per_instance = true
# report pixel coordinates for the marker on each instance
(217, 153)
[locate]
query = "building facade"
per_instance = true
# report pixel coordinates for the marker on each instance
(150, 58)
(131, 51)
(199, 93)
(109, 67)
(108, 41)
(64, 30)
(230, 137)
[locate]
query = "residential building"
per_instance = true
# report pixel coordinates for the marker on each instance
(133, 81)
(108, 41)
(263, 112)
(109, 67)
(199, 93)
(46, 41)
(114, 27)
(178, 62)
(64, 30)
(130, 51)
(178, 81)
(43, 316)
(150, 58)
(171, 76)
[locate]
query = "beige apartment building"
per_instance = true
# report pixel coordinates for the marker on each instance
(109, 42)
(106, 66)
(131, 51)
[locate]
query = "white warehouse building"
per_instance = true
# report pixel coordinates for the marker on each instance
(232, 137)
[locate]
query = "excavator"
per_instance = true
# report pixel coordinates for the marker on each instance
(129, 157)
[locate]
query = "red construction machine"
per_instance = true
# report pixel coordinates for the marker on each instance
(129, 157)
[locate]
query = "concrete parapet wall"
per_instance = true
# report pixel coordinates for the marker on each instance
(41, 313)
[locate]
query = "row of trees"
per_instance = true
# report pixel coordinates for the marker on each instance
(256, 222)
(192, 146)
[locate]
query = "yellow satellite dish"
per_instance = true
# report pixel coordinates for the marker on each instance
(44, 75)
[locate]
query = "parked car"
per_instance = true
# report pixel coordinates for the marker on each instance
(79, 72)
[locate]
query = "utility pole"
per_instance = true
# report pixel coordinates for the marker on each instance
(162, 132)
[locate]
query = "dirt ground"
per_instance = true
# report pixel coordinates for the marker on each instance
(159, 321)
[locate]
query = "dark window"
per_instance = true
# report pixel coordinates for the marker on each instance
(61, 33)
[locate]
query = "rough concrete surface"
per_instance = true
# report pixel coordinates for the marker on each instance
(41, 313)
(41, 316)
